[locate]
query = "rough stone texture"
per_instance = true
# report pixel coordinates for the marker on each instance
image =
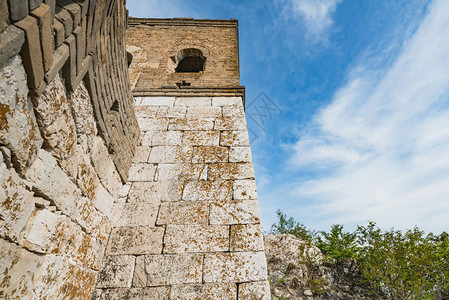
(204, 291)
(42, 14)
(135, 240)
(12, 40)
(196, 238)
(4, 15)
(254, 290)
(18, 128)
(18, 9)
(116, 272)
(246, 238)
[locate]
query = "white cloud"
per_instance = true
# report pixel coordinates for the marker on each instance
(316, 15)
(385, 139)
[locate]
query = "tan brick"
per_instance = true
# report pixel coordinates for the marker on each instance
(58, 29)
(135, 240)
(181, 172)
(196, 238)
(148, 124)
(172, 112)
(246, 238)
(235, 267)
(183, 213)
(42, 14)
(235, 212)
(146, 111)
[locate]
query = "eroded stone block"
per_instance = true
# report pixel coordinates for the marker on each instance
(161, 138)
(240, 154)
(155, 192)
(207, 190)
(149, 124)
(210, 154)
(183, 213)
(156, 101)
(134, 214)
(244, 189)
(192, 101)
(153, 293)
(230, 123)
(227, 101)
(200, 138)
(234, 138)
(116, 271)
(231, 171)
(135, 240)
(208, 291)
(181, 172)
(142, 172)
(259, 290)
(191, 124)
(196, 238)
(246, 238)
(204, 112)
(170, 154)
(235, 212)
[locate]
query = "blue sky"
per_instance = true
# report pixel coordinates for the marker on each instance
(355, 95)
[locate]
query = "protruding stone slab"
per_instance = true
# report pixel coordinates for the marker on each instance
(259, 290)
(135, 240)
(42, 14)
(196, 238)
(209, 291)
(235, 267)
(134, 214)
(171, 269)
(246, 238)
(116, 271)
(235, 212)
(183, 213)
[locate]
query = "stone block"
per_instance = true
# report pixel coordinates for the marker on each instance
(233, 111)
(12, 39)
(73, 8)
(246, 238)
(142, 172)
(155, 192)
(196, 238)
(200, 138)
(59, 33)
(156, 293)
(69, 68)
(235, 212)
(234, 138)
(240, 154)
(195, 102)
(146, 111)
(230, 123)
(162, 138)
(51, 4)
(244, 189)
(104, 166)
(83, 113)
(235, 267)
(31, 52)
(183, 213)
(4, 16)
(104, 201)
(135, 240)
(18, 129)
(42, 14)
(65, 18)
(18, 9)
(33, 4)
(227, 101)
(55, 120)
(92, 220)
(116, 271)
(171, 269)
(155, 101)
(259, 290)
(80, 44)
(60, 57)
(181, 172)
(149, 124)
(210, 154)
(204, 112)
(49, 180)
(207, 190)
(209, 291)
(134, 214)
(141, 155)
(16, 203)
(171, 112)
(231, 171)
(170, 154)
(191, 124)
(18, 268)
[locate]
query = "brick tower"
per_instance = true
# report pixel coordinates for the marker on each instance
(188, 225)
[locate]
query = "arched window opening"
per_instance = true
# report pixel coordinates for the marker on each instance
(190, 61)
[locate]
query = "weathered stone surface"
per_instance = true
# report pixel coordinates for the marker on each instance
(18, 128)
(244, 189)
(172, 112)
(134, 214)
(155, 192)
(153, 293)
(231, 171)
(82, 110)
(259, 290)
(16, 203)
(49, 180)
(116, 271)
(156, 101)
(210, 154)
(233, 111)
(200, 138)
(182, 172)
(234, 267)
(104, 167)
(55, 120)
(171, 269)
(42, 14)
(230, 123)
(207, 190)
(18, 271)
(141, 155)
(210, 291)
(59, 33)
(234, 138)
(235, 212)
(240, 154)
(227, 101)
(196, 238)
(147, 124)
(34, 4)
(183, 213)
(204, 112)
(60, 56)
(161, 138)
(18, 9)
(146, 111)
(191, 124)
(104, 201)
(135, 240)
(12, 40)
(31, 52)
(4, 16)
(246, 238)
(170, 154)
(194, 102)
(142, 172)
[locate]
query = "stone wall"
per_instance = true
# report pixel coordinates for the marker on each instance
(68, 133)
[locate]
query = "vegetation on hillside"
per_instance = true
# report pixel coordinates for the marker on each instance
(393, 264)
